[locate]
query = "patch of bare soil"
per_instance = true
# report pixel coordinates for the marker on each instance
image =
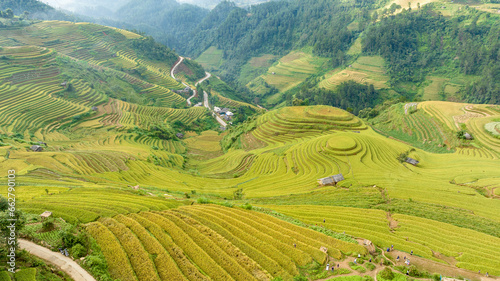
(440, 268)
(393, 224)
(467, 115)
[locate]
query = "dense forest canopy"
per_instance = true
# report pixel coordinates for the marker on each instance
(416, 43)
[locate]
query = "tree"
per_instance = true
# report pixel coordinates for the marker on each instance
(238, 194)
(387, 274)
(9, 13)
(4, 204)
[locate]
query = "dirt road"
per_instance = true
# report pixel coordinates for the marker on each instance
(66, 264)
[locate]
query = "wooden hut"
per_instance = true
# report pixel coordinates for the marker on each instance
(36, 148)
(331, 179)
(411, 161)
(45, 215)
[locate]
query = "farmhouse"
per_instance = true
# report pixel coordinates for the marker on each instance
(229, 113)
(94, 108)
(185, 90)
(467, 136)
(36, 148)
(63, 84)
(331, 179)
(179, 135)
(45, 215)
(224, 110)
(216, 109)
(411, 161)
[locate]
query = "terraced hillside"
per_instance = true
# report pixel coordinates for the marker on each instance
(366, 69)
(422, 236)
(108, 124)
(210, 242)
(288, 72)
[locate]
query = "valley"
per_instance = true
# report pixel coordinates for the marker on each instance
(150, 165)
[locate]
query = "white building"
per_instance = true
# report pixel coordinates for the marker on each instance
(216, 109)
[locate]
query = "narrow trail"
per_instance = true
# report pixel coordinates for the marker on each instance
(433, 266)
(208, 75)
(172, 71)
(421, 263)
(67, 265)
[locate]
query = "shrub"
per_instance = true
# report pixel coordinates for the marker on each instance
(387, 274)
(247, 206)
(413, 271)
(48, 224)
(227, 204)
(4, 203)
(238, 194)
(203, 200)
(367, 278)
(370, 266)
(78, 251)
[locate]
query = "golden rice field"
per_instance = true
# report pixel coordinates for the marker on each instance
(209, 243)
(129, 188)
(422, 236)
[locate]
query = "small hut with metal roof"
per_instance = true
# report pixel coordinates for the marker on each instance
(411, 161)
(36, 148)
(331, 179)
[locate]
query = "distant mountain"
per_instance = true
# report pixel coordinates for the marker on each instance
(210, 4)
(36, 9)
(167, 20)
(78, 6)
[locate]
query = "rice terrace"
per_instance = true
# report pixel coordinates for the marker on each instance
(305, 167)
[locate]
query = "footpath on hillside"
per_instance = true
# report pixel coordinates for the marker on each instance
(419, 262)
(67, 265)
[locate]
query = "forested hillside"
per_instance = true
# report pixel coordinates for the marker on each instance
(36, 9)
(417, 43)
(426, 55)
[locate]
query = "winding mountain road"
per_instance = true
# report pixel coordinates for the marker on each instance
(205, 94)
(66, 264)
(172, 73)
(207, 105)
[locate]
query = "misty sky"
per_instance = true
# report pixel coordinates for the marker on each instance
(74, 5)
(113, 5)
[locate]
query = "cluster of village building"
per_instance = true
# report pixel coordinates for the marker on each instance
(225, 113)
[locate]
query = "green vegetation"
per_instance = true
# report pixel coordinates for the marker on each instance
(151, 188)
(466, 53)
